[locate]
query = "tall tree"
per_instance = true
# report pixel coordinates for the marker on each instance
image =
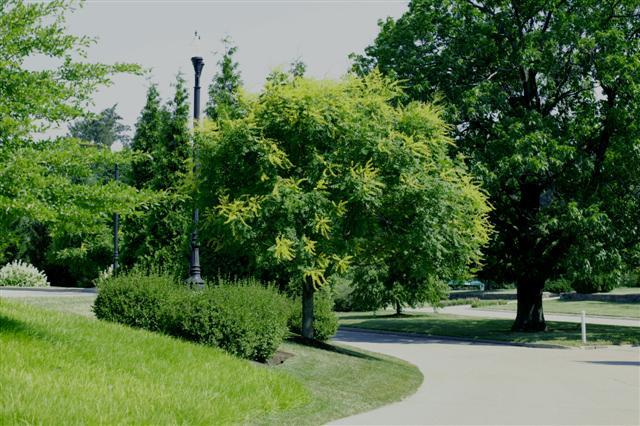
(102, 129)
(49, 192)
(322, 176)
(224, 99)
(545, 97)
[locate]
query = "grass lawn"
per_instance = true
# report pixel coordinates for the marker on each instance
(591, 307)
(63, 368)
(344, 383)
(567, 334)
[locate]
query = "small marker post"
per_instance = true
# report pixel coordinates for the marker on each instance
(584, 327)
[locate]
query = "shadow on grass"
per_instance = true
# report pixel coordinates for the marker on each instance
(625, 363)
(331, 348)
(12, 327)
(492, 330)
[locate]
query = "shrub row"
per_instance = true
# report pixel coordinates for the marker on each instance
(243, 318)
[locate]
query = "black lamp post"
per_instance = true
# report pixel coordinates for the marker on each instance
(115, 148)
(195, 279)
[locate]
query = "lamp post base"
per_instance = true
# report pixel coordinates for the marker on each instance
(196, 282)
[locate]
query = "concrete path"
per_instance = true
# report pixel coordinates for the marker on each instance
(482, 384)
(19, 292)
(467, 310)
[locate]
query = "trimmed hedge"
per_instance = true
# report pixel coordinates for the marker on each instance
(243, 318)
(325, 321)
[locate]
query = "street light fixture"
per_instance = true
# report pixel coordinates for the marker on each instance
(195, 279)
(115, 148)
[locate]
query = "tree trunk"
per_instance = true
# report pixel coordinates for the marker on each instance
(398, 308)
(530, 316)
(307, 309)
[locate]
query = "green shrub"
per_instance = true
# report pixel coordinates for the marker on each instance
(597, 283)
(325, 321)
(243, 318)
(140, 300)
(558, 286)
(20, 274)
(493, 302)
(342, 300)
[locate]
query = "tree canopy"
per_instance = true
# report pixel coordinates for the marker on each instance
(322, 177)
(32, 100)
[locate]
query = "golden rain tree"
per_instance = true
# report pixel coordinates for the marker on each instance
(322, 177)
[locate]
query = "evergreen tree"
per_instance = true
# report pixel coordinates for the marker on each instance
(102, 129)
(148, 135)
(224, 89)
(172, 150)
(162, 137)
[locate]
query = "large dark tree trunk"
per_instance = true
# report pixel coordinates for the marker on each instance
(307, 309)
(530, 316)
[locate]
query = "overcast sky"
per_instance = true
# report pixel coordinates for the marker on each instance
(158, 35)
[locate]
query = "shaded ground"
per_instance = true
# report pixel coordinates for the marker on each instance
(559, 333)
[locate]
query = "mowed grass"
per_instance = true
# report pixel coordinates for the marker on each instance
(65, 369)
(344, 382)
(559, 333)
(80, 305)
(591, 307)
(335, 383)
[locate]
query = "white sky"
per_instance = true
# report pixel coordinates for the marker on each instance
(158, 35)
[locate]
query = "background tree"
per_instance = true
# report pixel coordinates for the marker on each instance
(54, 209)
(102, 129)
(545, 97)
(163, 143)
(297, 68)
(224, 99)
(323, 176)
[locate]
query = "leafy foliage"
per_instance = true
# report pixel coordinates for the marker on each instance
(20, 274)
(55, 207)
(320, 177)
(33, 100)
(545, 98)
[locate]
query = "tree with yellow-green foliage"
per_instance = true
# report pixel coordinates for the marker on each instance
(323, 178)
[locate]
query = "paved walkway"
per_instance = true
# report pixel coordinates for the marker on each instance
(467, 310)
(46, 292)
(483, 384)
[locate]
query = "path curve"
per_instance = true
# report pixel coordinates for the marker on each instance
(483, 384)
